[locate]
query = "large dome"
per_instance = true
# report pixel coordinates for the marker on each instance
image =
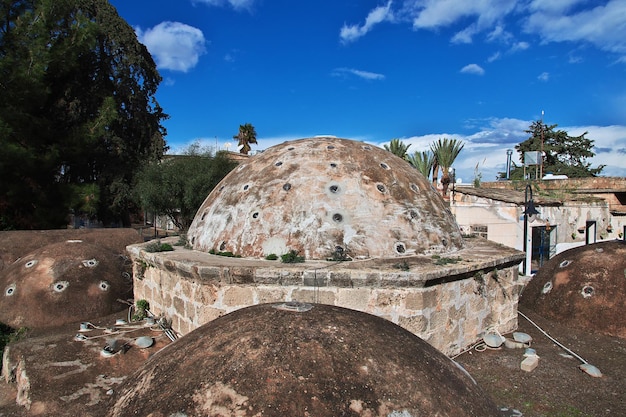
(295, 359)
(322, 195)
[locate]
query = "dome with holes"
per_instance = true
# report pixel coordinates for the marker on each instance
(321, 197)
(62, 283)
(583, 287)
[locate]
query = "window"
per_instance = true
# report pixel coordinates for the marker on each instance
(479, 230)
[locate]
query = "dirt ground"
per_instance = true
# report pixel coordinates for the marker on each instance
(557, 387)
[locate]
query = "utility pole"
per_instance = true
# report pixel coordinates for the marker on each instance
(541, 169)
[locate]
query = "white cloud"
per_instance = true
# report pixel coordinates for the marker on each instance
(432, 14)
(544, 76)
(464, 36)
(473, 69)
(602, 25)
(487, 146)
(494, 57)
(235, 4)
(350, 33)
(519, 46)
(175, 46)
(359, 73)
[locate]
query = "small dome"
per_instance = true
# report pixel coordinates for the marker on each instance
(296, 359)
(583, 287)
(318, 196)
(63, 283)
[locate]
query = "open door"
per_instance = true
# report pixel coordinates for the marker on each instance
(543, 244)
(590, 232)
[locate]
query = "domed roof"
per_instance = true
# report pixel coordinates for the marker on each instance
(296, 359)
(583, 287)
(63, 283)
(323, 195)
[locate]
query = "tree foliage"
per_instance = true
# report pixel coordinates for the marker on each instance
(177, 186)
(446, 151)
(245, 136)
(77, 112)
(398, 148)
(422, 161)
(564, 154)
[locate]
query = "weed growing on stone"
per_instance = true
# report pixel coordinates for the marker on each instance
(228, 254)
(158, 247)
(291, 257)
(442, 260)
(403, 266)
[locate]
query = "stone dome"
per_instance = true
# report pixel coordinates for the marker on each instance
(323, 195)
(583, 287)
(297, 359)
(62, 283)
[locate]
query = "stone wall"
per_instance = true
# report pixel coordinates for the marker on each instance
(449, 305)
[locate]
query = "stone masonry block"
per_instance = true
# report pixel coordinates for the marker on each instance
(209, 273)
(313, 296)
(271, 294)
(421, 299)
(186, 288)
(206, 294)
(415, 324)
(356, 299)
(529, 363)
(438, 320)
(388, 298)
(205, 314)
(238, 296)
(179, 305)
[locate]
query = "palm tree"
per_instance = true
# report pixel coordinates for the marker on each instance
(246, 136)
(397, 147)
(446, 151)
(422, 161)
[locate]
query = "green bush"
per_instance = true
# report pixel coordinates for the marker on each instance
(291, 257)
(158, 247)
(228, 254)
(271, 257)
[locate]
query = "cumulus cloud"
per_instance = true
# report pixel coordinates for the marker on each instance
(602, 25)
(235, 4)
(473, 69)
(433, 14)
(359, 73)
(489, 139)
(175, 46)
(578, 21)
(544, 76)
(350, 33)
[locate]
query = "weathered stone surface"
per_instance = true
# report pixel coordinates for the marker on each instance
(452, 299)
(324, 361)
(324, 197)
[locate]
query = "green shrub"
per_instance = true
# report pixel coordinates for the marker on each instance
(158, 247)
(228, 254)
(291, 257)
(271, 257)
(141, 310)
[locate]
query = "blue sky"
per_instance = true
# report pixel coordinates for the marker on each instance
(417, 70)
